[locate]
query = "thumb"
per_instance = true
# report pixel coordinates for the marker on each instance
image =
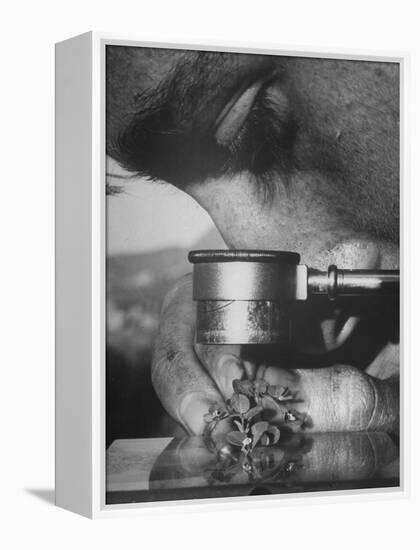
(224, 365)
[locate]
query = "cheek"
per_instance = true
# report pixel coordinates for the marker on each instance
(292, 217)
(239, 213)
(307, 216)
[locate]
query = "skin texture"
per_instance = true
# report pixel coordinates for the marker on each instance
(316, 170)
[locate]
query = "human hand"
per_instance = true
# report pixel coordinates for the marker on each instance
(190, 378)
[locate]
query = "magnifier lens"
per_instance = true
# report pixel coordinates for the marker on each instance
(243, 296)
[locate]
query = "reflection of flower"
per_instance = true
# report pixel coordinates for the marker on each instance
(263, 464)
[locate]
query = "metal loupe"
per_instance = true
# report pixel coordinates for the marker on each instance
(246, 296)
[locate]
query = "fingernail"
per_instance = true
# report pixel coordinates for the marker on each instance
(229, 368)
(192, 409)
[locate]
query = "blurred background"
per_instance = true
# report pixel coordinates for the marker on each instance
(150, 229)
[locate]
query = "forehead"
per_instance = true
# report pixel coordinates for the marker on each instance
(134, 70)
(134, 63)
(345, 93)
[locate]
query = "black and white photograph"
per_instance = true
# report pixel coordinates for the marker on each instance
(210, 300)
(252, 273)
(209, 275)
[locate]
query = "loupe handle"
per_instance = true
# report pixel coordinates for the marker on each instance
(353, 282)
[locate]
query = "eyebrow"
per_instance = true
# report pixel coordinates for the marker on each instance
(171, 136)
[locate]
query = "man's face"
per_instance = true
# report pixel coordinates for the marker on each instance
(284, 153)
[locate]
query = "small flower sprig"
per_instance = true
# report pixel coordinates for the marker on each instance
(244, 409)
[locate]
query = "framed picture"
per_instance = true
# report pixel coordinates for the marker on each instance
(228, 274)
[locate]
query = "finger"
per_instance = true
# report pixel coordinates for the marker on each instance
(184, 388)
(336, 399)
(223, 364)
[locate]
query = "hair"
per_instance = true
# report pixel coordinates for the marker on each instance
(172, 139)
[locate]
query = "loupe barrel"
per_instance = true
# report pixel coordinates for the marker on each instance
(242, 322)
(243, 296)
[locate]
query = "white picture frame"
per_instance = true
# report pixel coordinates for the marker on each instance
(80, 275)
